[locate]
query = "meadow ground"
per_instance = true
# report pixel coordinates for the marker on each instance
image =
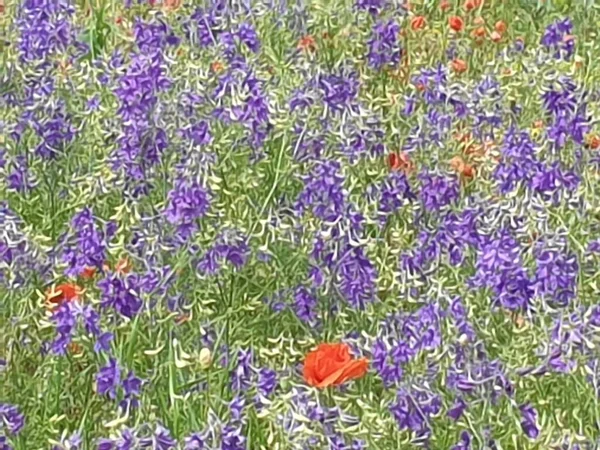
(285, 224)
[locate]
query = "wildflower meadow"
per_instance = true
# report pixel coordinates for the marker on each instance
(296, 224)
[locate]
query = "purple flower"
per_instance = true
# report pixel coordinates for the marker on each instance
(20, 178)
(232, 438)
(11, 418)
(236, 407)
(323, 191)
(73, 442)
(384, 48)
(248, 36)
(202, 28)
(141, 142)
(187, 202)
(339, 90)
(394, 193)
(457, 409)
(102, 343)
(65, 319)
(356, 277)
(230, 247)
(518, 161)
(464, 443)
(414, 408)
(87, 244)
(153, 37)
(305, 304)
(437, 191)
(108, 379)
(121, 292)
(556, 276)
(267, 381)
(528, 421)
(558, 38)
(372, 6)
(194, 442)
(132, 387)
(241, 376)
(44, 29)
(199, 133)
(162, 440)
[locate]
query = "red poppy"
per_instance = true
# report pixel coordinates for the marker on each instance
(63, 293)
(470, 5)
(307, 43)
(332, 365)
(216, 67)
(459, 65)
(400, 161)
(500, 27)
(462, 168)
(418, 23)
(88, 272)
(456, 23)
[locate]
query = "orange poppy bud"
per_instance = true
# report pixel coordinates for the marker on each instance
(500, 27)
(470, 5)
(495, 36)
(456, 23)
(332, 365)
(75, 348)
(593, 141)
(478, 21)
(172, 4)
(462, 168)
(459, 66)
(478, 32)
(216, 67)
(123, 266)
(445, 5)
(418, 23)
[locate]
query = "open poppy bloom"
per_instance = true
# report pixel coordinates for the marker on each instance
(332, 365)
(63, 293)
